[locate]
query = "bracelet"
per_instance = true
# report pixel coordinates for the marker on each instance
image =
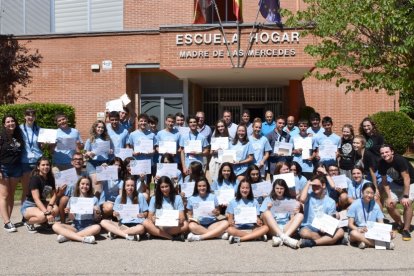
(51, 205)
(47, 213)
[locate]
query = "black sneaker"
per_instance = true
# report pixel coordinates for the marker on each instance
(179, 237)
(9, 227)
(30, 228)
(406, 236)
(306, 243)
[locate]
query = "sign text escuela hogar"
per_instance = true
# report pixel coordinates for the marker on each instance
(271, 39)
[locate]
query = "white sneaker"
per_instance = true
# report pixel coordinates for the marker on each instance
(89, 240)
(225, 236)
(233, 239)
(362, 245)
(61, 238)
(131, 238)
(276, 241)
(191, 237)
(264, 238)
(390, 246)
(291, 242)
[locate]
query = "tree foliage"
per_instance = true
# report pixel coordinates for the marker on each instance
(373, 39)
(16, 64)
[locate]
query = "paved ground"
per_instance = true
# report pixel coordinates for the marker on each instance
(23, 253)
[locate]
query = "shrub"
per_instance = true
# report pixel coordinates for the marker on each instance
(397, 129)
(45, 112)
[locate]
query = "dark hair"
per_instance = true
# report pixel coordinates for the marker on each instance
(127, 161)
(167, 156)
(121, 172)
(236, 137)
(356, 167)
(218, 134)
(196, 193)
(319, 165)
(158, 193)
(279, 165)
(59, 115)
(251, 168)
(351, 129)
(387, 146)
(170, 116)
(179, 114)
(153, 119)
(113, 114)
(314, 115)
(298, 168)
(196, 171)
(280, 182)
(134, 193)
(49, 177)
(30, 111)
(17, 133)
(322, 179)
(303, 121)
(232, 177)
(361, 126)
(77, 188)
(143, 116)
(369, 185)
(280, 117)
(238, 193)
(327, 119)
(92, 131)
(191, 117)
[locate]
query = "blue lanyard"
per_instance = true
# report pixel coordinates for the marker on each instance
(27, 135)
(366, 216)
(360, 191)
(189, 135)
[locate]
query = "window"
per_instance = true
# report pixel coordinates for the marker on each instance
(225, 10)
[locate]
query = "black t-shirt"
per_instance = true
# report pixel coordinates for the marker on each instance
(369, 160)
(374, 144)
(399, 164)
(346, 162)
(44, 186)
(10, 150)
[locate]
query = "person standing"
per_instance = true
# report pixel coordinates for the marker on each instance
(290, 127)
(269, 124)
(232, 127)
(245, 119)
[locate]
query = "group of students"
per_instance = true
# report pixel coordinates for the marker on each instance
(374, 172)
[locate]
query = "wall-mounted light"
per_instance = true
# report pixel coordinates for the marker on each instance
(95, 67)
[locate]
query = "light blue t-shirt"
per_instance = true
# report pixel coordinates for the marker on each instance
(314, 133)
(242, 152)
(323, 139)
(167, 205)
(142, 207)
(31, 152)
(64, 157)
(93, 146)
(191, 136)
(135, 138)
(194, 200)
(164, 135)
(80, 217)
(355, 189)
(260, 146)
(281, 218)
(119, 136)
(235, 204)
(294, 131)
(314, 206)
(267, 128)
(225, 185)
(300, 183)
(110, 190)
(306, 165)
(363, 212)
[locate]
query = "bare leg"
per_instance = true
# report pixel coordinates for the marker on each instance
(271, 223)
(34, 215)
(10, 200)
(63, 202)
(215, 230)
(70, 232)
(356, 236)
(107, 208)
(4, 194)
(156, 231)
(327, 240)
(308, 234)
(293, 224)
(246, 236)
(25, 185)
(177, 230)
(394, 213)
(122, 230)
(408, 216)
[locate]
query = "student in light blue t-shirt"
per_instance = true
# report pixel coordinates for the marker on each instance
(282, 225)
(355, 187)
(261, 147)
(244, 198)
(165, 198)
(244, 152)
(117, 132)
(129, 228)
(204, 227)
(316, 204)
(111, 189)
(298, 141)
(327, 138)
(83, 228)
(169, 133)
(363, 211)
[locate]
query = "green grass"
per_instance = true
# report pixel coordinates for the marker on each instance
(18, 193)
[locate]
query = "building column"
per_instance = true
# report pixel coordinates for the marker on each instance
(185, 96)
(294, 98)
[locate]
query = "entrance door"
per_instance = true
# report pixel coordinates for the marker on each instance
(160, 106)
(256, 111)
(234, 108)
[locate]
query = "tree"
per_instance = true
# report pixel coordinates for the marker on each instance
(372, 40)
(16, 64)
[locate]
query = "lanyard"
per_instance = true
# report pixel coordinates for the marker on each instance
(27, 135)
(189, 135)
(366, 216)
(360, 191)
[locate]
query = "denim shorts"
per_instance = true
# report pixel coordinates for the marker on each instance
(11, 171)
(246, 226)
(82, 224)
(310, 228)
(26, 204)
(28, 167)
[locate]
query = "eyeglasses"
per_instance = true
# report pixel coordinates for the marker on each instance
(77, 159)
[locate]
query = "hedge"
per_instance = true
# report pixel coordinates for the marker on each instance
(397, 129)
(45, 113)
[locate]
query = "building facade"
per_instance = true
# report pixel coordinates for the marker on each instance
(153, 52)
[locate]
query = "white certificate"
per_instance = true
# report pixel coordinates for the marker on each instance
(128, 212)
(68, 177)
(192, 146)
(378, 231)
(124, 153)
(114, 105)
(411, 195)
(243, 215)
(144, 146)
(166, 218)
(167, 169)
(125, 99)
(139, 167)
(340, 181)
(284, 206)
(81, 205)
(219, 143)
(203, 209)
(327, 151)
(106, 173)
(101, 147)
(227, 156)
(283, 148)
(262, 189)
(66, 144)
(188, 188)
(47, 135)
(224, 196)
(288, 177)
(326, 223)
(167, 147)
(184, 131)
(305, 144)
